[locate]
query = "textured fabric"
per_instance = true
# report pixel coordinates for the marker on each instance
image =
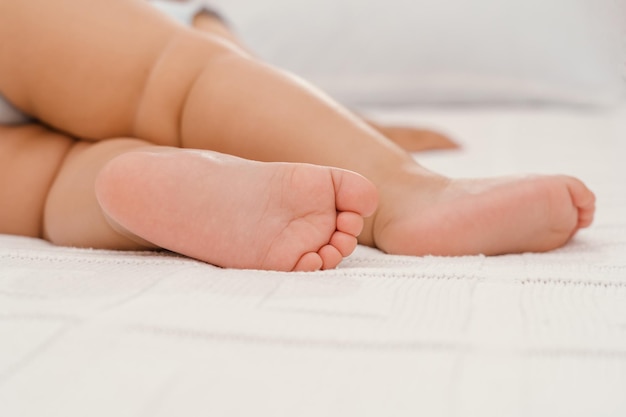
(101, 333)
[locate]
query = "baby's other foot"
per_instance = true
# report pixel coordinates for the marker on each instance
(237, 213)
(436, 216)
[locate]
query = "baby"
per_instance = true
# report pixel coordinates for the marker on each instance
(151, 134)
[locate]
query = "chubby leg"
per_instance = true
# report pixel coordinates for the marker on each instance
(82, 67)
(47, 187)
(409, 138)
(30, 157)
(128, 194)
(40, 200)
(185, 89)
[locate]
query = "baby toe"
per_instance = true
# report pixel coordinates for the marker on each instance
(330, 256)
(344, 242)
(310, 261)
(350, 223)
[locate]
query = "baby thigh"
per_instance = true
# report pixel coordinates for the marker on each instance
(102, 68)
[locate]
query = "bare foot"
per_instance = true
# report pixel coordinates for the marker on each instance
(237, 213)
(437, 216)
(412, 139)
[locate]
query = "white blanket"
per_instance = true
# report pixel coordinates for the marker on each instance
(99, 333)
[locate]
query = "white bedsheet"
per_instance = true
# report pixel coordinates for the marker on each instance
(97, 333)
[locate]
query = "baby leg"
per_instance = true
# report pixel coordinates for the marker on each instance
(30, 157)
(409, 138)
(184, 89)
(420, 212)
(128, 194)
(47, 187)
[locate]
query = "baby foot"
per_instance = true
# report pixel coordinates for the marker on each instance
(438, 216)
(237, 213)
